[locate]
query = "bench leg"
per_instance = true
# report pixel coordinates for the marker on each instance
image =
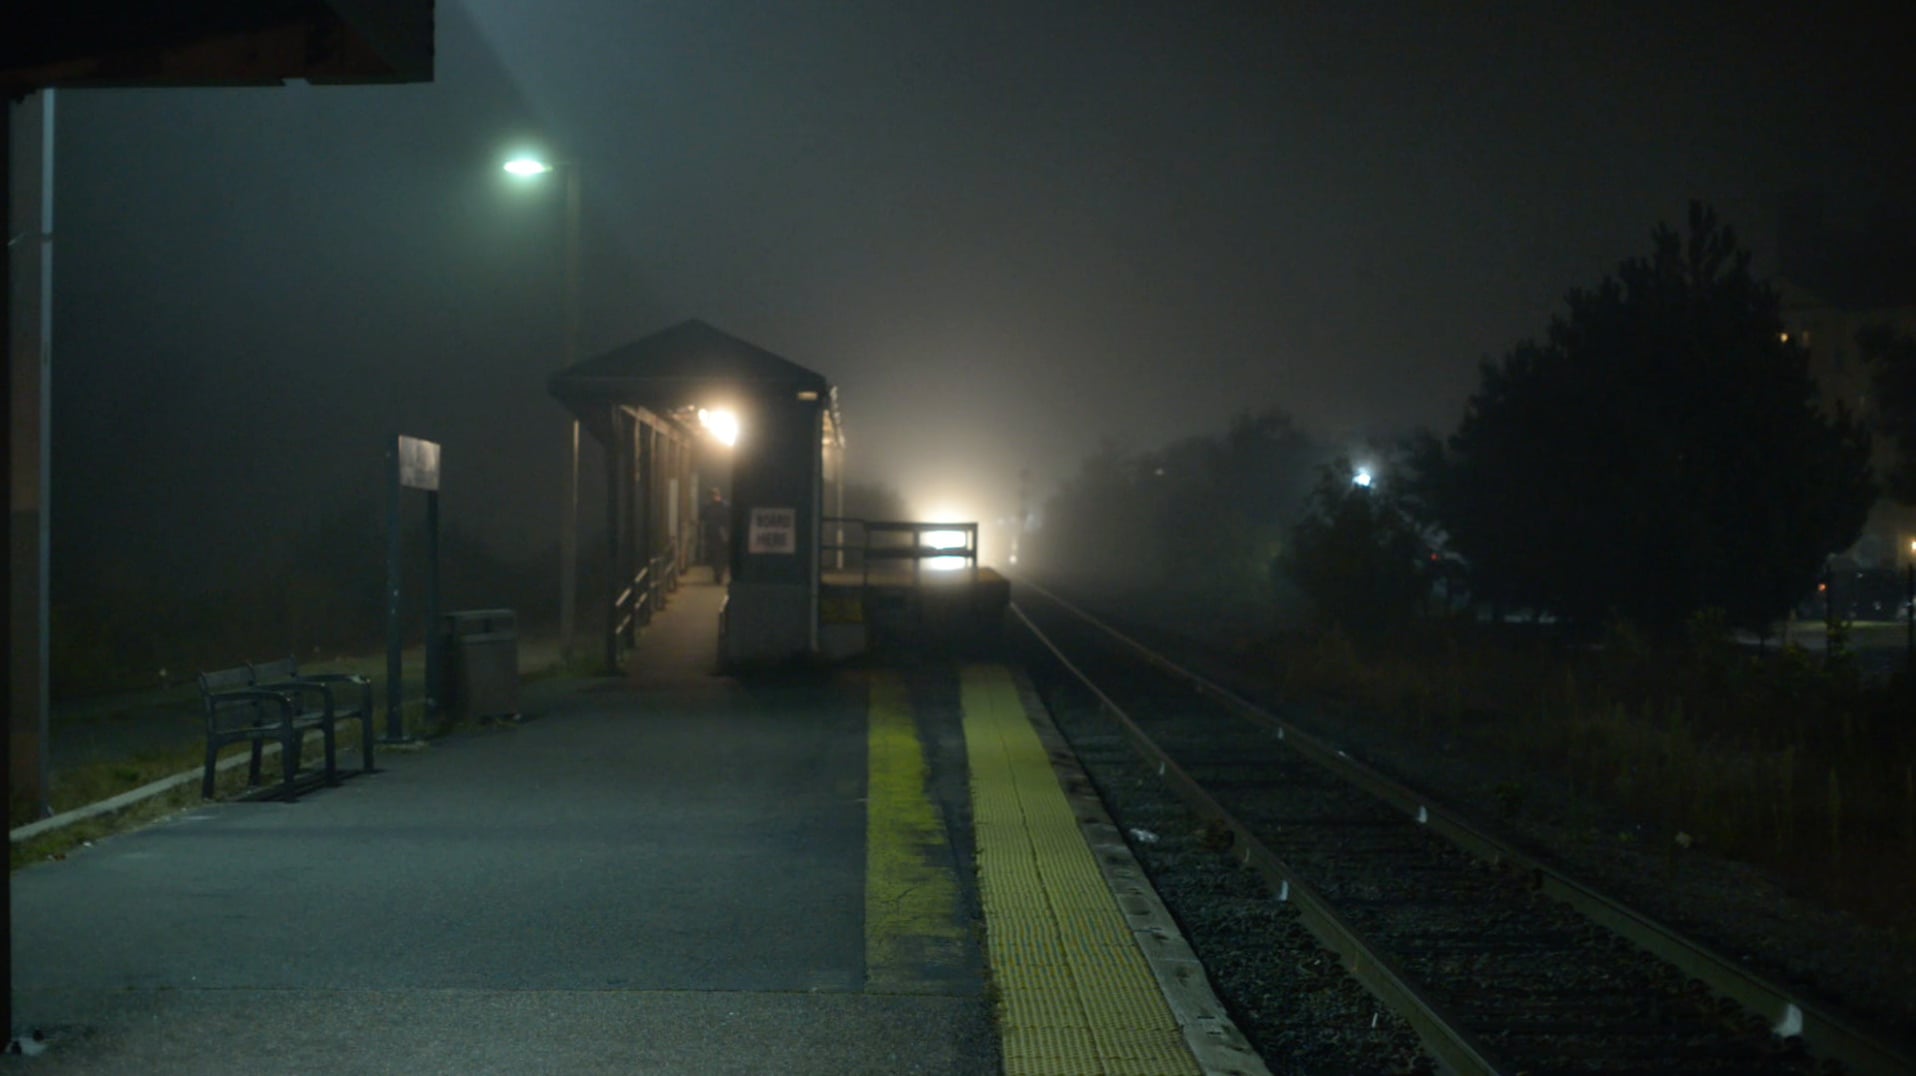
(289, 762)
(252, 771)
(366, 728)
(332, 769)
(212, 764)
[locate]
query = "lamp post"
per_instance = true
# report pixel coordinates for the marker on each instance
(530, 168)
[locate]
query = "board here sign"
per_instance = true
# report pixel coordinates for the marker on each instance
(773, 531)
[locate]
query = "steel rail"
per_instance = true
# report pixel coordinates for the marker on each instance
(1453, 1047)
(1826, 1033)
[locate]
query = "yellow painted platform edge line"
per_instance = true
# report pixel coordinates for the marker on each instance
(1214, 1038)
(1004, 746)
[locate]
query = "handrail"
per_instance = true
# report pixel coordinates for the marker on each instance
(645, 594)
(918, 551)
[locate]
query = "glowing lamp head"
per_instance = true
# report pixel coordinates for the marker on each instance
(721, 424)
(527, 166)
(1363, 478)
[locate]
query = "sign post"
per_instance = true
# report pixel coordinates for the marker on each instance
(415, 465)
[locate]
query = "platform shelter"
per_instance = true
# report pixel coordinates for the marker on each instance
(642, 403)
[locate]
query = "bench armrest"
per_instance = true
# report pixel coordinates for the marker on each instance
(248, 694)
(336, 678)
(322, 684)
(214, 700)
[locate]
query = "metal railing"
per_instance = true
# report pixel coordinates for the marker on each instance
(645, 594)
(880, 541)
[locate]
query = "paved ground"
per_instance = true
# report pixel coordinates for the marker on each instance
(662, 875)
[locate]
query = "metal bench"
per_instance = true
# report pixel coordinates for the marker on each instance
(237, 711)
(348, 696)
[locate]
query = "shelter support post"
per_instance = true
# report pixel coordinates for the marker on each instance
(617, 577)
(648, 496)
(635, 559)
(30, 129)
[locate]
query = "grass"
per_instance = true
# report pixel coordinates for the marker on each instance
(75, 786)
(1776, 760)
(84, 785)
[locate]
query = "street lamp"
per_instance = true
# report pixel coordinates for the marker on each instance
(722, 423)
(526, 167)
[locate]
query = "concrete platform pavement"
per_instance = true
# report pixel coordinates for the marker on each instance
(657, 875)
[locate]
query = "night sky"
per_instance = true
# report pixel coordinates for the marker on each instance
(1006, 232)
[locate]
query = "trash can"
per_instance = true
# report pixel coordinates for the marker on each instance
(483, 654)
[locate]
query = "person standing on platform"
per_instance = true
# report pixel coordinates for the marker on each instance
(715, 525)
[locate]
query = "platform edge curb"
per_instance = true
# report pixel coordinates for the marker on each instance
(1213, 1038)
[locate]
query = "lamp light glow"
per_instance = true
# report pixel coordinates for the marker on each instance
(527, 166)
(721, 423)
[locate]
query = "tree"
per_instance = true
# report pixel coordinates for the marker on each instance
(1892, 360)
(1098, 524)
(1355, 555)
(1661, 452)
(1223, 503)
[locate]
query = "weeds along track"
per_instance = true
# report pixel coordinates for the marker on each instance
(1498, 963)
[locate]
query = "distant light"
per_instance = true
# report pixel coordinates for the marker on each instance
(1784, 337)
(527, 166)
(808, 394)
(721, 423)
(1362, 478)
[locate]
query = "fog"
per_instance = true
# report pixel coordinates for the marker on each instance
(1007, 233)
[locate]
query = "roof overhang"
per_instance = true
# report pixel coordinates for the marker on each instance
(76, 43)
(690, 365)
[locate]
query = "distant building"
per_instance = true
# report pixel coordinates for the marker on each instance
(1839, 274)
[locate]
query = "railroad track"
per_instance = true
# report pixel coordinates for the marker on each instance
(1499, 963)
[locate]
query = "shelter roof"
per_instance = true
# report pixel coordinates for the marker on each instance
(689, 364)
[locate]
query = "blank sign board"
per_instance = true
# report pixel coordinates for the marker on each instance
(418, 463)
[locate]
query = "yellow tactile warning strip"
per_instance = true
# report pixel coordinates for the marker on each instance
(913, 936)
(1075, 992)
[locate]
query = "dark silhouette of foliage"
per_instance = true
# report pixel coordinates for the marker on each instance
(1205, 514)
(1100, 523)
(1660, 452)
(1892, 359)
(1356, 555)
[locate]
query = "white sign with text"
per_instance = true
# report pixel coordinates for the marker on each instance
(774, 530)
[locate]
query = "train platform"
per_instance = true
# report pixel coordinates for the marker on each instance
(871, 868)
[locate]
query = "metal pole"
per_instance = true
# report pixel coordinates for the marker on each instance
(6, 627)
(435, 648)
(617, 577)
(569, 522)
(642, 490)
(395, 722)
(30, 348)
(1909, 615)
(1829, 613)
